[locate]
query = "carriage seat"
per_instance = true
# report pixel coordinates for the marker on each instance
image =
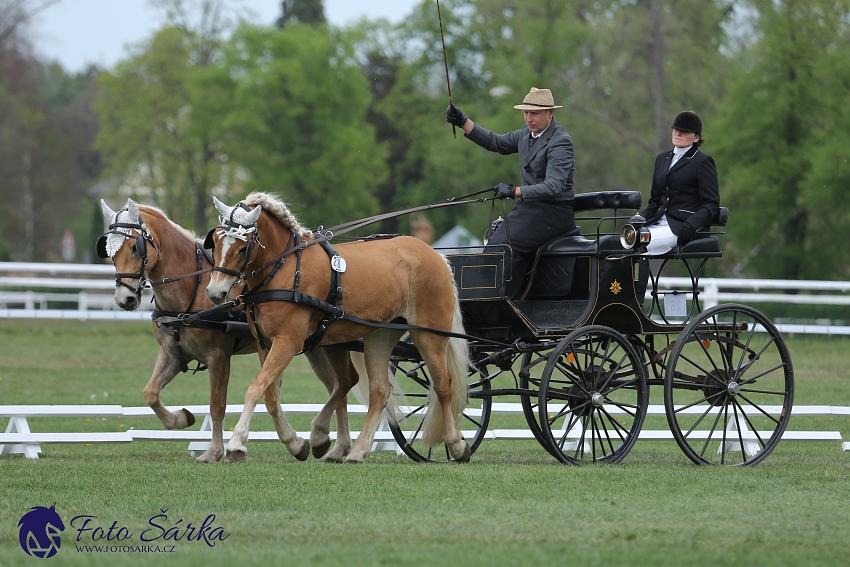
(608, 200)
(573, 242)
(705, 247)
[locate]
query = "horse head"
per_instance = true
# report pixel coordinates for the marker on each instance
(126, 242)
(232, 243)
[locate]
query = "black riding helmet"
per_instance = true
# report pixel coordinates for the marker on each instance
(688, 121)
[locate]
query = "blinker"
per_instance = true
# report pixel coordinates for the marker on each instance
(209, 241)
(101, 247)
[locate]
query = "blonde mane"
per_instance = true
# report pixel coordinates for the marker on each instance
(157, 212)
(274, 206)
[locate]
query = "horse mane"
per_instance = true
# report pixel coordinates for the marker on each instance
(274, 206)
(160, 214)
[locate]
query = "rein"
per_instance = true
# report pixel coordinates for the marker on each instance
(332, 309)
(322, 234)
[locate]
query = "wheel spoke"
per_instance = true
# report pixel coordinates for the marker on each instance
(765, 373)
(756, 406)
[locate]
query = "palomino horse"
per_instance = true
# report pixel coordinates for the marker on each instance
(147, 247)
(380, 281)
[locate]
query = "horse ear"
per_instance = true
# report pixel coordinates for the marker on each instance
(253, 215)
(223, 209)
(209, 241)
(107, 212)
(133, 210)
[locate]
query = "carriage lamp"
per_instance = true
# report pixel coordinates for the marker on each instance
(634, 233)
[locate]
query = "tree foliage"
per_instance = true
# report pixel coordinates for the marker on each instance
(296, 121)
(46, 131)
(344, 123)
(784, 142)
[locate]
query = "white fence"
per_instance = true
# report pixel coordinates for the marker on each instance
(89, 286)
(93, 286)
(18, 439)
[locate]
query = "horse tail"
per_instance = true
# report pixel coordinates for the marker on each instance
(434, 427)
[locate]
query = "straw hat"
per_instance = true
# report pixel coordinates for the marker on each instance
(538, 99)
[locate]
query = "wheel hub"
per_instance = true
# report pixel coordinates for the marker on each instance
(716, 384)
(733, 388)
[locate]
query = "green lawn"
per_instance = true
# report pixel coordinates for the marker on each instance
(512, 505)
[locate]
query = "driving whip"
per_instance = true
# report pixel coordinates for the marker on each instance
(445, 61)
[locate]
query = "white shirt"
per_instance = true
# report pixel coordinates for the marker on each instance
(677, 154)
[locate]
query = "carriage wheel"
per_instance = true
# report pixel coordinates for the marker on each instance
(529, 379)
(593, 397)
(415, 382)
(729, 387)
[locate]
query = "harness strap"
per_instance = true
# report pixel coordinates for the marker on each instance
(334, 299)
(337, 313)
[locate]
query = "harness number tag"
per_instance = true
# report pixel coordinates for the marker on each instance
(675, 305)
(338, 264)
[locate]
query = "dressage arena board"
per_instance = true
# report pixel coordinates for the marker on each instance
(18, 439)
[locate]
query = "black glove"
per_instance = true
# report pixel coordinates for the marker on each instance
(686, 234)
(455, 116)
(504, 191)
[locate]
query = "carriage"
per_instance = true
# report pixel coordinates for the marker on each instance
(583, 353)
(580, 351)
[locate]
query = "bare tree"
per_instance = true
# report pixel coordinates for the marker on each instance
(14, 13)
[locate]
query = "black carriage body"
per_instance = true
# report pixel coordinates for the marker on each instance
(577, 282)
(581, 353)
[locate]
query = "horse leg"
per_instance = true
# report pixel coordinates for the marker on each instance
(435, 351)
(333, 367)
(377, 349)
(166, 368)
(297, 447)
(219, 369)
(274, 362)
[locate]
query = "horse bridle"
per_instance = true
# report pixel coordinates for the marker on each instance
(141, 241)
(234, 229)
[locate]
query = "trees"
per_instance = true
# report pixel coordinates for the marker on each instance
(295, 119)
(45, 136)
(154, 131)
(783, 142)
(301, 11)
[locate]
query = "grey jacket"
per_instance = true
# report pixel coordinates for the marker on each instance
(546, 169)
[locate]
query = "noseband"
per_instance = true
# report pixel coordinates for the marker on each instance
(141, 241)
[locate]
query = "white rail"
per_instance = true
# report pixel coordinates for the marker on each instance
(97, 283)
(19, 439)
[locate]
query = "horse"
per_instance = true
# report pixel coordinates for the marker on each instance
(386, 281)
(146, 247)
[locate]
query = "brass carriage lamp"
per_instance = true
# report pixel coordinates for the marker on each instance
(635, 234)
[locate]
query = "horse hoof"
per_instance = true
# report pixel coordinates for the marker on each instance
(304, 452)
(320, 450)
(190, 418)
(333, 459)
(466, 455)
(235, 456)
(354, 461)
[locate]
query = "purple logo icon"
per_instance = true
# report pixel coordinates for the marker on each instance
(38, 532)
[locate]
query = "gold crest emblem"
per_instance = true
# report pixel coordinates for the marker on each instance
(616, 287)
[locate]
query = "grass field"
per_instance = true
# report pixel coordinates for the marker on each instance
(512, 505)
